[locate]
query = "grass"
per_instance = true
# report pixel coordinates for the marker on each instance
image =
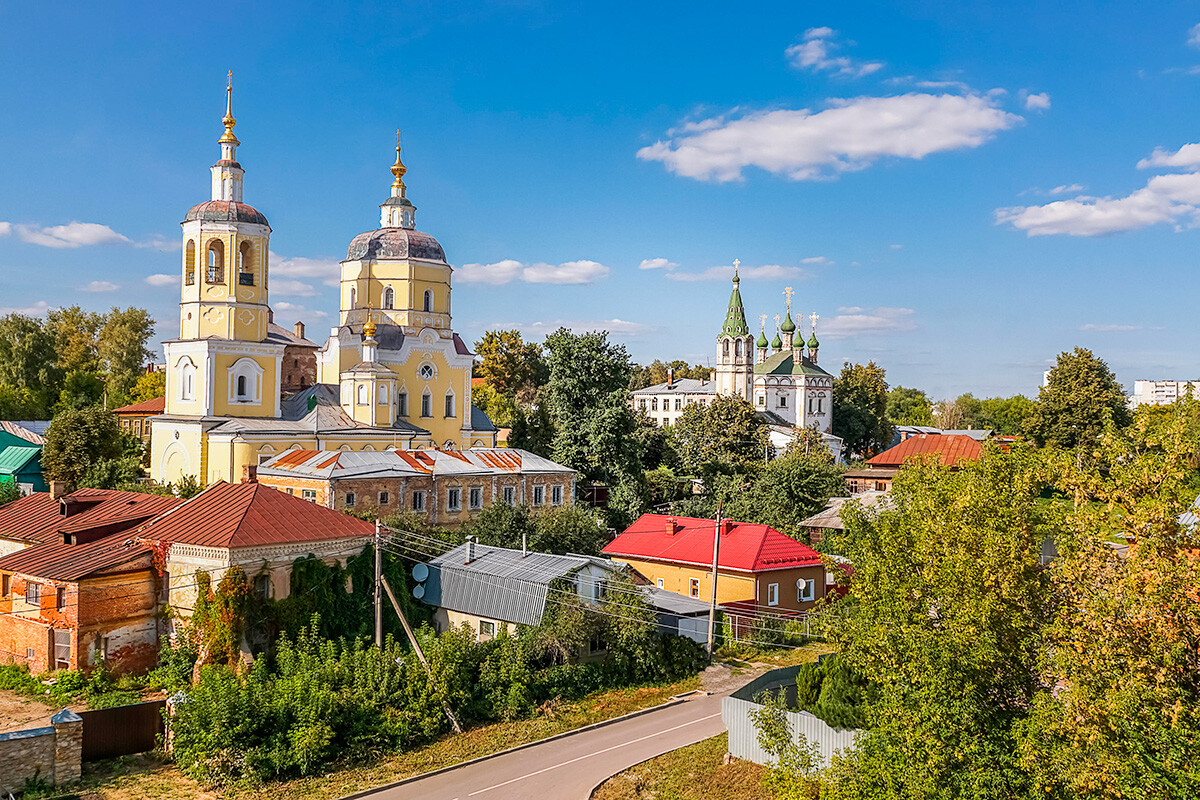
(145, 777)
(694, 772)
(745, 657)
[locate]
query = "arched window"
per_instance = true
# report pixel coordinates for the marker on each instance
(245, 381)
(389, 298)
(429, 299)
(383, 394)
(725, 348)
(189, 264)
(187, 378)
(353, 297)
(216, 262)
(738, 348)
(363, 394)
(241, 387)
(245, 264)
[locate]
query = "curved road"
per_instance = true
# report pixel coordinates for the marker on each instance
(570, 767)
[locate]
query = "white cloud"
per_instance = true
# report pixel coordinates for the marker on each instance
(1068, 188)
(508, 270)
(618, 328)
(5, 228)
(1194, 35)
(813, 52)
(766, 272)
(73, 234)
(99, 286)
(850, 135)
(162, 279)
(330, 272)
(1037, 102)
(1186, 157)
(292, 288)
(854, 321)
(1109, 328)
(160, 243)
(297, 310)
(657, 263)
(35, 310)
(815, 260)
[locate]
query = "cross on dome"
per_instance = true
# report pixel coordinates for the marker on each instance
(814, 317)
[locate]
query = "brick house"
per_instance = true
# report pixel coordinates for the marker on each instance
(135, 418)
(949, 449)
(758, 565)
(75, 589)
(299, 363)
(449, 487)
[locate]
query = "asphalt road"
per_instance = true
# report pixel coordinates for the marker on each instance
(569, 768)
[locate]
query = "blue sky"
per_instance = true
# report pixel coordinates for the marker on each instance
(960, 191)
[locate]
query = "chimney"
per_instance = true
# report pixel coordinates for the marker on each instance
(299, 329)
(670, 377)
(672, 526)
(470, 549)
(57, 489)
(726, 527)
(250, 473)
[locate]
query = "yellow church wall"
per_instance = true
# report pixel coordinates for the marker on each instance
(266, 391)
(171, 457)
(445, 378)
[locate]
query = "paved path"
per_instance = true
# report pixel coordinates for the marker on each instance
(570, 767)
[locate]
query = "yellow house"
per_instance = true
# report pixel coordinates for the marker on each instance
(224, 411)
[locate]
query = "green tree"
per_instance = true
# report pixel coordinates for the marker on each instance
(794, 760)
(1005, 415)
(557, 529)
(8, 492)
(909, 407)
(725, 435)
(21, 403)
(860, 398)
(1080, 395)
(532, 430)
(787, 491)
(500, 408)
(27, 357)
(510, 365)
(149, 385)
(654, 442)
(122, 349)
(78, 439)
(75, 333)
(80, 390)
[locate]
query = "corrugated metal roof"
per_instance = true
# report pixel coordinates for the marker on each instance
(32, 431)
(680, 386)
(72, 562)
(155, 405)
(400, 463)
(249, 515)
(15, 459)
(744, 547)
(38, 518)
(831, 515)
(951, 449)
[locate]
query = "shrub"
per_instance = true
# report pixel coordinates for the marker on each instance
(842, 694)
(808, 685)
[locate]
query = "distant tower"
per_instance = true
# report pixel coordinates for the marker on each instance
(735, 347)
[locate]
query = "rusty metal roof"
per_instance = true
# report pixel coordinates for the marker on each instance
(155, 405)
(73, 562)
(325, 465)
(38, 518)
(251, 515)
(950, 448)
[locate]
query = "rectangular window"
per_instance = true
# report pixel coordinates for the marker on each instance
(773, 594)
(679, 404)
(33, 593)
(164, 587)
(384, 498)
(662, 584)
(449, 405)
(403, 403)
(539, 495)
(783, 401)
(104, 648)
(291, 491)
(349, 499)
(510, 495)
(418, 503)
(29, 654)
(556, 495)
(308, 494)
(806, 590)
(262, 586)
(454, 500)
(475, 498)
(762, 400)
(5, 585)
(486, 629)
(694, 587)
(597, 645)
(60, 598)
(642, 404)
(426, 405)
(601, 589)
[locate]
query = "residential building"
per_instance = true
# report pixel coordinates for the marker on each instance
(757, 564)
(448, 487)
(946, 449)
(829, 519)
(664, 402)
(1159, 393)
(135, 418)
(76, 588)
(21, 455)
(394, 369)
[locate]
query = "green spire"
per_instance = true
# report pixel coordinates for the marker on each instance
(735, 317)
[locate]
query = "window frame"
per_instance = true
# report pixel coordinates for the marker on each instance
(454, 498)
(37, 593)
(418, 501)
(539, 495)
(772, 594)
(385, 498)
(474, 498)
(350, 500)
(694, 587)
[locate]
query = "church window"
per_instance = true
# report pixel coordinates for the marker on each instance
(449, 404)
(241, 387)
(402, 402)
(363, 394)
(737, 348)
(426, 371)
(245, 381)
(389, 298)
(428, 300)
(187, 379)
(427, 405)
(216, 262)
(762, 400)
(783, 401)
(812, 404)
(821, 404)
(189, 264)
(245, 265)
(353, 297)
(383, 394)
(725, 348)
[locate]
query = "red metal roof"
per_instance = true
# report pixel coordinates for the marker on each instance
(38, 518)
(155, 405)
(72, 562)
(744, 547)
(249, 515)
(952, 448)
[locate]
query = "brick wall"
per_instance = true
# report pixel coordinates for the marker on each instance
(299, 368)
(53, 753)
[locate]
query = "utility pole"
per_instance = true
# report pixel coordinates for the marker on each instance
(712, 609)
(416, 646)
(378, 588)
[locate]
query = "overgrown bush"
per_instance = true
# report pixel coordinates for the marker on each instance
(843, 693)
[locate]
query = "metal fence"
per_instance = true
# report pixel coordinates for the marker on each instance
(743, 736)
(123, 730)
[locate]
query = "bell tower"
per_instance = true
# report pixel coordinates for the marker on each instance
(735, 346)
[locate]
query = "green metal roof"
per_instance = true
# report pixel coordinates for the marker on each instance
(14, 460)
(783, 364)
(735, 318)
(788, 326)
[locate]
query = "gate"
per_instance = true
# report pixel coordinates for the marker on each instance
(120, 731)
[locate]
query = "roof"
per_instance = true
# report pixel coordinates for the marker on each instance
(499, 583)
(225, 211)
(680, 386)
(951, 449)
(38, 518)
(831, 515)
(327, 465)
(395, 243)
(735, 317)
(782, 363)
(315, 409)
(56, 561)
(480, 421)
(251, 515)
(155, 405)
(745, 547)
(977, 435)
(674, 602)
(16, 459)
(31, 431)
(278, 334)
(876, 472)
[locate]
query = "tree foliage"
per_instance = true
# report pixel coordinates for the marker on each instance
(122, 349)
(9, 491)
(510, 365)
(1080, 396)
(787, 491)
(909, 407)
(860, 399)
(570, 528)
(77, 440)
(149, 385)
(723, 436)
(657, 371)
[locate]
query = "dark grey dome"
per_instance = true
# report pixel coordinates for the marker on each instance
(225, 211)
(395, 243)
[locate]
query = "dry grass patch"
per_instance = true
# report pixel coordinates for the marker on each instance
(694, 772)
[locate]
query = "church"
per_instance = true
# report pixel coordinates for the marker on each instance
(392, 375)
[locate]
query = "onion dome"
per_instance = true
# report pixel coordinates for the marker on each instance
(762, 342)
(788, 326)
(777, 343)
(813, 344)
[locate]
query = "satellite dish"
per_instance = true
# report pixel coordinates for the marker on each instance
(420, 572)
(419, 590)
